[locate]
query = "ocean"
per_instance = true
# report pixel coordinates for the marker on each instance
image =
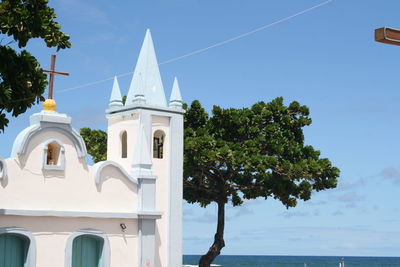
(295, 261)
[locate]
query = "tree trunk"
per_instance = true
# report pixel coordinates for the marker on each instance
(219, 243)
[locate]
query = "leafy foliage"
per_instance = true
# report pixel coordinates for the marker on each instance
(240, 154)
(96, 143)
(22, 81)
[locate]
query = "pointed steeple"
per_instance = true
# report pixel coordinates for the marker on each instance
(141, 163)
(175, 100)
(147, 76)
(115, 98)
(139, 97)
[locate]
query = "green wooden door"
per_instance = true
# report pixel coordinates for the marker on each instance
(13, 250)
(87, 251)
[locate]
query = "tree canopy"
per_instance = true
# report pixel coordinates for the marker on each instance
(96, 143)
(240, 154)
(22, 81)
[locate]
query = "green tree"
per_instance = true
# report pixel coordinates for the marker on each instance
(22, 81)
(240, 154)
(96, 143)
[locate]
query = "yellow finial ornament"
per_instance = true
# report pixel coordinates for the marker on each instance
(49, 105)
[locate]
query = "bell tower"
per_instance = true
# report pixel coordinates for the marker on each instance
(145, 135)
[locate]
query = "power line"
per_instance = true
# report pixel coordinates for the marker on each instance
(245, 34)
(195, 52)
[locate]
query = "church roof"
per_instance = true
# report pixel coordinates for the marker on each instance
(116, 98)
(176, 98)
(146, 78)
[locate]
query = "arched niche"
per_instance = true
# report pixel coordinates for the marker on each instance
(158, 144)
(53, 155)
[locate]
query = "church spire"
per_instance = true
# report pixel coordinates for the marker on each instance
(115, 98)
(146, 77)
(139, 97)
(175, 100)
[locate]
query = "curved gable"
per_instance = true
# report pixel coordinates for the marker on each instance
(98, 169)
(48, 121)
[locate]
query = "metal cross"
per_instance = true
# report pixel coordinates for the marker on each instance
(52, 72)
(387, 35)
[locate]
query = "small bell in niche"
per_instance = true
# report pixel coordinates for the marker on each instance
(158, 144)
(53, 151)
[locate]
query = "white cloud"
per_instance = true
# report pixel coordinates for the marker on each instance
(350, 197)
(290, 214)
(392, 174)
(242, 211)
(360, 182)
(207, 217)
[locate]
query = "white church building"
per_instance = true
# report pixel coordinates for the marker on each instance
(57, 210)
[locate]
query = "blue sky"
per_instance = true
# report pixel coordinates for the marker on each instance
(326, 59)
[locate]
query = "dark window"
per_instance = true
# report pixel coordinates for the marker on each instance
(87, 251)
(124, 145)
(158, 144)
(13, 250)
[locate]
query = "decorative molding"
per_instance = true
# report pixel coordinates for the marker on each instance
(83, 214)
(147, 177)
(150, 215)
(161, 111)
(99, 166)
(48, 122)
(106, 246)
(31, 256)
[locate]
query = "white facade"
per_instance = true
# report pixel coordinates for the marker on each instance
(130, 204)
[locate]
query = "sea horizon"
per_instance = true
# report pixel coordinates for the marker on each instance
(287, 255)
(295, 261)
